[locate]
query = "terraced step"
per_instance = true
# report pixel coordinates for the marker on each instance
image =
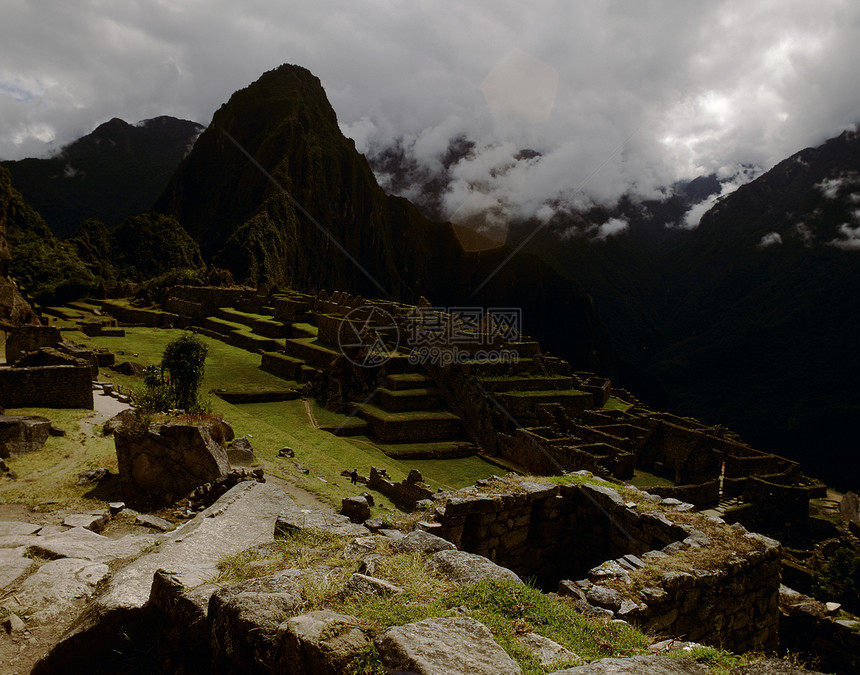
(300, 330)
(520, 383)
(399, 400)
(312, 351)
(235, 316)
(219, 325)
(492, 367)
(407, 381)
(282, 364)
(439, 450)
(420, 426)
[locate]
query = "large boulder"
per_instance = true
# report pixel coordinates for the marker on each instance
(467, 568)
(20, 434)
(318, 643)
(420, 542)
(170, 459)
(240, 452)
(446, 646)
(243, 620)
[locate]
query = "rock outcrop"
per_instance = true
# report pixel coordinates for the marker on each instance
(243, 517)
(20, 434)
(445, 645)
(170, 459)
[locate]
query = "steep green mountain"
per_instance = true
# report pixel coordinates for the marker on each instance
(275, 193)
(42, 264)
(113, 173)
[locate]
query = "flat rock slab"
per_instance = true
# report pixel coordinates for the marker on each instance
(422, 542)
(148, 520)
(446, 646)
(12, 568)
(466, 568)
(18, 540)
(12, 527)
(296, 518)
(82, 543)
(89, 521)
(244, 516)
(639, 665)
(547, 651)
(53, 588)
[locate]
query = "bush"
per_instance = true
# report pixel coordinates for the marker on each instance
(839, 579)
(184, 359)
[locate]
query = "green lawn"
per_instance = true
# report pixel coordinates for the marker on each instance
(270, 425)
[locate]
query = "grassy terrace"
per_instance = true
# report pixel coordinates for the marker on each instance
(547, 392)
(407, 416)
(270, 425)
(617, 404)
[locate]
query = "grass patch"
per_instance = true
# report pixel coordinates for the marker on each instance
(617, 404)
(719, 661)
(301, 549)
(507, 608)
(50, 473)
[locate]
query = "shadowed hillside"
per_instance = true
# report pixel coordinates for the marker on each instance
(111, 174)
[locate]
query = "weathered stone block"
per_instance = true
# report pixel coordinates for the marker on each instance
(169, 459)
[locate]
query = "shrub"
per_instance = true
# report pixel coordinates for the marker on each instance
(184, 359)
(839, 579)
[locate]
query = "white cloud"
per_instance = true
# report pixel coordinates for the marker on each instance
(770, 239)
(849, 238)
(612, 227)
(830, 187)
(645, 94)
(731, 178)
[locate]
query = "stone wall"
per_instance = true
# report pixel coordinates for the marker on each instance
(406, 494)
(555, 533)
(144, 317)
(701, 495)
(68, 386)
(552, 532)
(29, 339)
(806, 627)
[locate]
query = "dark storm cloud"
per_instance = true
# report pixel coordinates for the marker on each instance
(645, 92)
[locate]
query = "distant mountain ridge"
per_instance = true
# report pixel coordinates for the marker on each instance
(114, 172)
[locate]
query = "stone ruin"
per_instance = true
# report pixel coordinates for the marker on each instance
(535, 414)
(45, 371)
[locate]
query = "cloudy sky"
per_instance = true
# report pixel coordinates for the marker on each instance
(615, 95)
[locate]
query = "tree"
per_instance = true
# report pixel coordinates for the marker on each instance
(183, 359)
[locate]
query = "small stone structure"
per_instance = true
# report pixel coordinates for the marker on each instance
(406, 494)
(557, 532)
